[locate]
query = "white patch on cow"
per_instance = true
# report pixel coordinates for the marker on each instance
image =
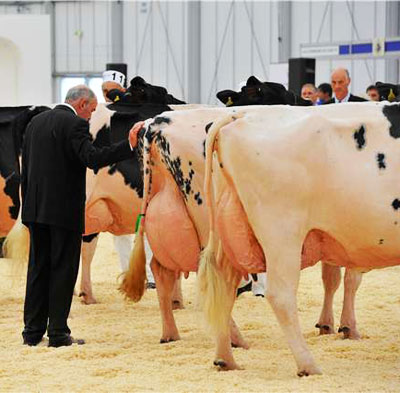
(100, 117)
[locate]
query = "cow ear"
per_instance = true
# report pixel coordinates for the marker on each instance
(138, 81)
(252, 81)
(227, 97)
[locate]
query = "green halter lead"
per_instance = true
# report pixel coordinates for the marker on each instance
(138, 220)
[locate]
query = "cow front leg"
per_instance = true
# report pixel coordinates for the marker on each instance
(165, 282)
(352, 280)
(177, 298)
(331, 279)
(282, 282)
(89, 244)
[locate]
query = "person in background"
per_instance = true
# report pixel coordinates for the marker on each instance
(373, 93)
(340, 81)
(114, 81)
(309, 92)
(324, 93)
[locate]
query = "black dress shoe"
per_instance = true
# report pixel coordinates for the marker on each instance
(66, 342)
(31, 343)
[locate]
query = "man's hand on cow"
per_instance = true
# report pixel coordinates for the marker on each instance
(133, 133)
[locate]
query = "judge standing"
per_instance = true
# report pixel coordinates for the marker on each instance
(56, 152)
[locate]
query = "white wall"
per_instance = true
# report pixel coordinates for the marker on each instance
(318, 22)
(28, 38)
(238, 39)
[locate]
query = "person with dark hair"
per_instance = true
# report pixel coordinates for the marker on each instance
(56, 151)
(324, 93)
(373, 93)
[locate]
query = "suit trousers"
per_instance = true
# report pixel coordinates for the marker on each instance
(52, 272)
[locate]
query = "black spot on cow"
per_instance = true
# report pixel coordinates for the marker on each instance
(396, 204)
(197, 198)
(190, 163)
(204, 148)
(392, 113)
(162, 119)
(359, 137)
(380, 157)
(221, 165)
(89, 238)
(380, 241)
(147, 171)
(174, 166)
(208, 127)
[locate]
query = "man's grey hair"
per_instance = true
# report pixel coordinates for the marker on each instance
(310, 85)
(80, 91)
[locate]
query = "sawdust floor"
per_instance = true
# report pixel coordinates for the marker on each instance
(122, 353)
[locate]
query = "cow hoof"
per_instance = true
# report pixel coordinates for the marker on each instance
(177, 305)
(169, 340)
(225, 366)
(351, 334)
(324, 329)
(240, 344)
(311, 370)
(87, 299)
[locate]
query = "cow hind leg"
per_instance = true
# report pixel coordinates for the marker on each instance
(352, 280)
(282, 281)
(217, 293)
(331, 279)
(165, 282)
(237, 340)
(89, 245)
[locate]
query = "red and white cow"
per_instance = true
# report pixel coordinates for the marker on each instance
(287, 187)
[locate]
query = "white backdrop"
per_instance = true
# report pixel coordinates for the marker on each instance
(25, 60)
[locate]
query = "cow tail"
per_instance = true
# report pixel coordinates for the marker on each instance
(135, 279)
(16, 247)
(213, 293)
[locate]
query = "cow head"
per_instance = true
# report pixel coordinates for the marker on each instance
(140, 92)
(388, 91)
(256, 92)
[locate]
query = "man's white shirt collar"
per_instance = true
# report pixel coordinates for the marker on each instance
(69, 106)
(345, 99)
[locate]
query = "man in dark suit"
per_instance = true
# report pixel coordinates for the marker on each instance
(56, 152)
(340, 81)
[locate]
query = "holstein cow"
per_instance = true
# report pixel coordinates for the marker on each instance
(289, 189)
(173, 205)
(256, 92)
(114, 194)
(11, 119)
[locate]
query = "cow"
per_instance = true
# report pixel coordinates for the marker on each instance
(173, 205)
(324, 185)
(113, 194)
(9, 164)
(256, 92)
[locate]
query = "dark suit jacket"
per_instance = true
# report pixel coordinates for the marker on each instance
(351, 99)
(56, 151)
